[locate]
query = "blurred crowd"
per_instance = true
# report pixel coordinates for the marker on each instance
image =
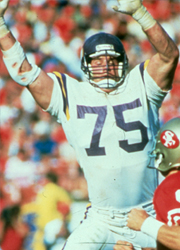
(32, 144)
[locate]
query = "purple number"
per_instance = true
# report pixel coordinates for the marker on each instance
(94, 149)
(130, 126)
(101, 111)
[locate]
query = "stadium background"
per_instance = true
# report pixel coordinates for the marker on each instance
(52, 33)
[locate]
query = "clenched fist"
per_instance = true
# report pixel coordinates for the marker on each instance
(136, 218)
(127, 6)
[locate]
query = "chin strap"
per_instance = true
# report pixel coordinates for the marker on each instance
(105, 84)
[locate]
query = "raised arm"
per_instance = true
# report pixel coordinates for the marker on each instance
(37, 81)
(163, 64)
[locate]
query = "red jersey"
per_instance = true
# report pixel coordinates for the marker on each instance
(167, 200)
(12, 240)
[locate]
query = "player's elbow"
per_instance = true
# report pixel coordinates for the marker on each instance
(171, 56)
(174, 55)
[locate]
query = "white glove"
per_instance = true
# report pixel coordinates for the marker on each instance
(3, 6)
(127, 6)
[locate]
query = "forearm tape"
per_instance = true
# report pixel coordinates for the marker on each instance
(151, 227)
(3, 28)
(13, 59)
(144, 18)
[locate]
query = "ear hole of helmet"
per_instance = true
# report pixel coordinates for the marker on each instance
(158, 159)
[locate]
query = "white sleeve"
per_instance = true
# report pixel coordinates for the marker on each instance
(56, 103)
(154, 93)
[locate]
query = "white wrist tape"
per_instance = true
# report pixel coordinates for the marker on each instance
(13, 59)
(144, 18)
(3, 28)
(151, 227)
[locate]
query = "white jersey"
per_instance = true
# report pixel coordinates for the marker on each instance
(112, 135)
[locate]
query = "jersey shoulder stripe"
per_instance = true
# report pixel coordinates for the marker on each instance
(86, 212)
(62, 82)
(142, 67)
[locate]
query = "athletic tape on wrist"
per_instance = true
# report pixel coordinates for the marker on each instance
(13, 59)
(151, 227)
(3, 28)
(144, 18)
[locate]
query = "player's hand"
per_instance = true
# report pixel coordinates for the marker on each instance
(127, 6)
(3, 6)
(123, 245)
(136, 217)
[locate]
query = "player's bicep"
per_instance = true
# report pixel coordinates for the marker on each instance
(41, 89)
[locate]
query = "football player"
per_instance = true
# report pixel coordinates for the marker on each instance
(166, 228)
(110, 120)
